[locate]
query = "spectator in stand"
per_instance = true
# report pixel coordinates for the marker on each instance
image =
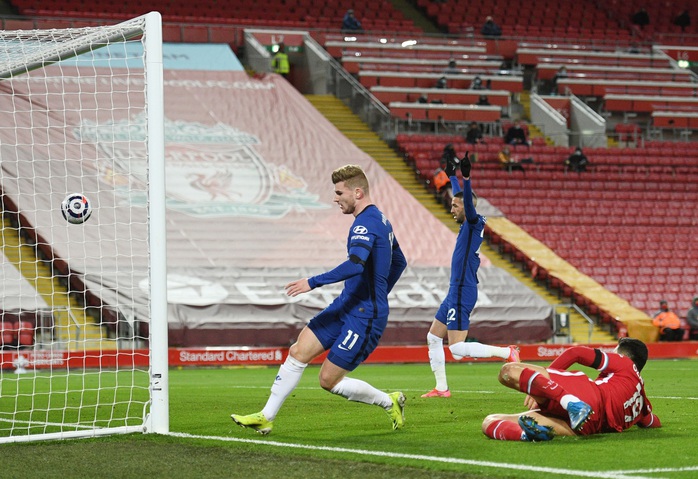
(442, 182)
(668, 323)
(423, 99)
(561, 73)
(515, 135)
(441, 83)
(448, 154)
(683, 20)
(577, 161)
(483, 101)
(692, 319)
(442, 185)
(476, 84)
(641, 18)
(350, 24)
(474, 134)
(491, 29)
(452, 67)
(509, 163)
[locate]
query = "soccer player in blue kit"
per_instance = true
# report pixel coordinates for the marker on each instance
(351, 326)
(453, 316)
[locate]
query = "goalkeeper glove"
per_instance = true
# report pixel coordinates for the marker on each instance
(465, 166)
(451, 165)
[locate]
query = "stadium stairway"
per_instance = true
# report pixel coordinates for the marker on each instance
(72, 326)
(533, 130)
(578, 325)
(367, 140)
(411, 13)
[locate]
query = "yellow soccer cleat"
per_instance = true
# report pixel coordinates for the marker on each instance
(397, 411)
(254, 421)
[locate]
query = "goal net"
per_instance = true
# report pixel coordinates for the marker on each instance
(83, 314)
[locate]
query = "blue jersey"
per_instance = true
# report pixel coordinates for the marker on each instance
(462, 291)
(466, 255)
(373, 266)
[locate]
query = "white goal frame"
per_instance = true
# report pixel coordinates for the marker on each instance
(155, 414)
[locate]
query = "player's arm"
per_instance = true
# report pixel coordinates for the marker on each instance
(359, 251)
(592, 358)
(398, 264)
(353, 266)
(468, 206)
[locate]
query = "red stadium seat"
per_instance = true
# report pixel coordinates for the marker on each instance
(25, 333)
(8, 334)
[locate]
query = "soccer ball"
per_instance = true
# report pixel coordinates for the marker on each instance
(76, 208)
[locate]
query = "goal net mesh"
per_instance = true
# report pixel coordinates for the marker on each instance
(76, 307)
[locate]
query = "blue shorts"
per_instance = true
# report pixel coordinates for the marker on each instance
(350, 339)
(456, 309)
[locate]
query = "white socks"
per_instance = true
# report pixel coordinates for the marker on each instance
(477, 350)
(566, 399)
(437, 360)
(361, 391)
(287, 379)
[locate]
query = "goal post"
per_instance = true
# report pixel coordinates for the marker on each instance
(83, 315)
(159, 419)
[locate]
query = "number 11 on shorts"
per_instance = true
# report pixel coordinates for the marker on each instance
(349, 340)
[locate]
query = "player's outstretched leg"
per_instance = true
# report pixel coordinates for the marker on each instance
(473, 349)
(534, 431)
(256, 421)
(579, 412)
(397, 410)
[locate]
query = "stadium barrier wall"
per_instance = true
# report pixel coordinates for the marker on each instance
(248, 356)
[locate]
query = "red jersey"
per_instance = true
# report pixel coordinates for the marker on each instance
(621, 388)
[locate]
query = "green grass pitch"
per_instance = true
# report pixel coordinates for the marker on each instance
(319, 435)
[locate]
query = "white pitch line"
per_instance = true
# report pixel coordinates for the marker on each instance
(419, 457)
(659, 469)
(689, 398)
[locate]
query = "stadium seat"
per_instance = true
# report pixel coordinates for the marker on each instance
(8, 334)
(25, 333)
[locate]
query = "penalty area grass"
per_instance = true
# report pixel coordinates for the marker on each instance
(321, 435)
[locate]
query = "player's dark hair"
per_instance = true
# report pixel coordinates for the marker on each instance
(460, 195)
(634, 349)
(352, 176)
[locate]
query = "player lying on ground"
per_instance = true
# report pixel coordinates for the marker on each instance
(569, 403)
(352, 324)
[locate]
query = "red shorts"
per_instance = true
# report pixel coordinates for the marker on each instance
(578, 384)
